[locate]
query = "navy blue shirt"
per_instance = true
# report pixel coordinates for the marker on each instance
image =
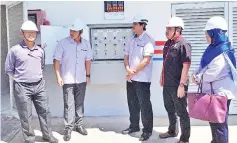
(176, 53)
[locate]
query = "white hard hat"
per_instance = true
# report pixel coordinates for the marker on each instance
(29, 25)
(77, 25)
(176, 22)
(140, 18)
(216, 22)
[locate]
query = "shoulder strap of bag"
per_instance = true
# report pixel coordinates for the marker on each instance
(212, 91)
(200, 85)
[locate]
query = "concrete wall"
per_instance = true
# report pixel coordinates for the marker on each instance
(4, 48)
(105, 100)
(15, 20)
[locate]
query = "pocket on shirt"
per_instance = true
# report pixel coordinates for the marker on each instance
(82, 54)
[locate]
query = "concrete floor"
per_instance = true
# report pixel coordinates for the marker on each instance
(108, 130)
(5, 103)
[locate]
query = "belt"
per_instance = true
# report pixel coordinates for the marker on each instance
(31, 83)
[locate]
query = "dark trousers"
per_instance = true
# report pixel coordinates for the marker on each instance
(138, 96)
(74, 95)
(177, 106)
(220, 130)
(24, 94)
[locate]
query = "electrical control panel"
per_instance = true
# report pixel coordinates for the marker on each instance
(108, 42)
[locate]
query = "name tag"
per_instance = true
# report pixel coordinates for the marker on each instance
(140, 45)
(83, 49)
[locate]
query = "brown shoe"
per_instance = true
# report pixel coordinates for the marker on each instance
(166, 135)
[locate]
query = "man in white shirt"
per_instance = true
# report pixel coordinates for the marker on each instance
(73, 55)
(138, 64)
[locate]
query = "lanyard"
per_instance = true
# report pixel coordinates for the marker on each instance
(166, 56)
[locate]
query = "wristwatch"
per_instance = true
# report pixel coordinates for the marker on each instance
(181, 84)
(88, 75)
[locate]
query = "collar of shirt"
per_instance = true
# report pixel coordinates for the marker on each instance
(73, 41)
(141, 36)
(23, 45)
(175, 39)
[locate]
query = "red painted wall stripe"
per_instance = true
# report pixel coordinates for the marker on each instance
(158, 52)
(160, 43)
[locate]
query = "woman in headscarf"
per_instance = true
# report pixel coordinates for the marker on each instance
(214, 69)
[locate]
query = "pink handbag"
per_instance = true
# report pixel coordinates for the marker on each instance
(207, 107)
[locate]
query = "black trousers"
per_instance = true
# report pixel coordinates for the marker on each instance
(74, 95)
(138, 96)
(177, 106)
(25, 94)
(220, 130)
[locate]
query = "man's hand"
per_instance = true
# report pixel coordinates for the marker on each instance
(128, 77)
(181, 92)
(88, 80)
(131, 72)
(60, 81)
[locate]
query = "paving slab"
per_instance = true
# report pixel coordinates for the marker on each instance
(10, 126)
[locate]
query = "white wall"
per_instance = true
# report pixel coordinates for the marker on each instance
(105, 100)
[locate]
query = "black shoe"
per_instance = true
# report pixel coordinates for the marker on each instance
(67, 134)
(129, 131)
(50, 140)
(145, 136)
(81, 130)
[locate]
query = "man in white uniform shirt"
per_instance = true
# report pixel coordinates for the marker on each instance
(138, 64)
(74, 54)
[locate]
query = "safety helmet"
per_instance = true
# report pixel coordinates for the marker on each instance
(216, 22)
(29, 25)
(140, 19)
(77, 25)
(176, 22)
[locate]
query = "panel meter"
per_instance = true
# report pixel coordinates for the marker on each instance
(108, 41)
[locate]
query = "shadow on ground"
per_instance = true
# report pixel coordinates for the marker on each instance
(108, 130)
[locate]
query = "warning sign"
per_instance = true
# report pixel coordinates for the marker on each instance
(114, 9)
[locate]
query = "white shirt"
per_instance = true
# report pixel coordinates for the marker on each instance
(136, 49)
(72, 56)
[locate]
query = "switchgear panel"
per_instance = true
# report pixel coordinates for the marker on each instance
(108, 42)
